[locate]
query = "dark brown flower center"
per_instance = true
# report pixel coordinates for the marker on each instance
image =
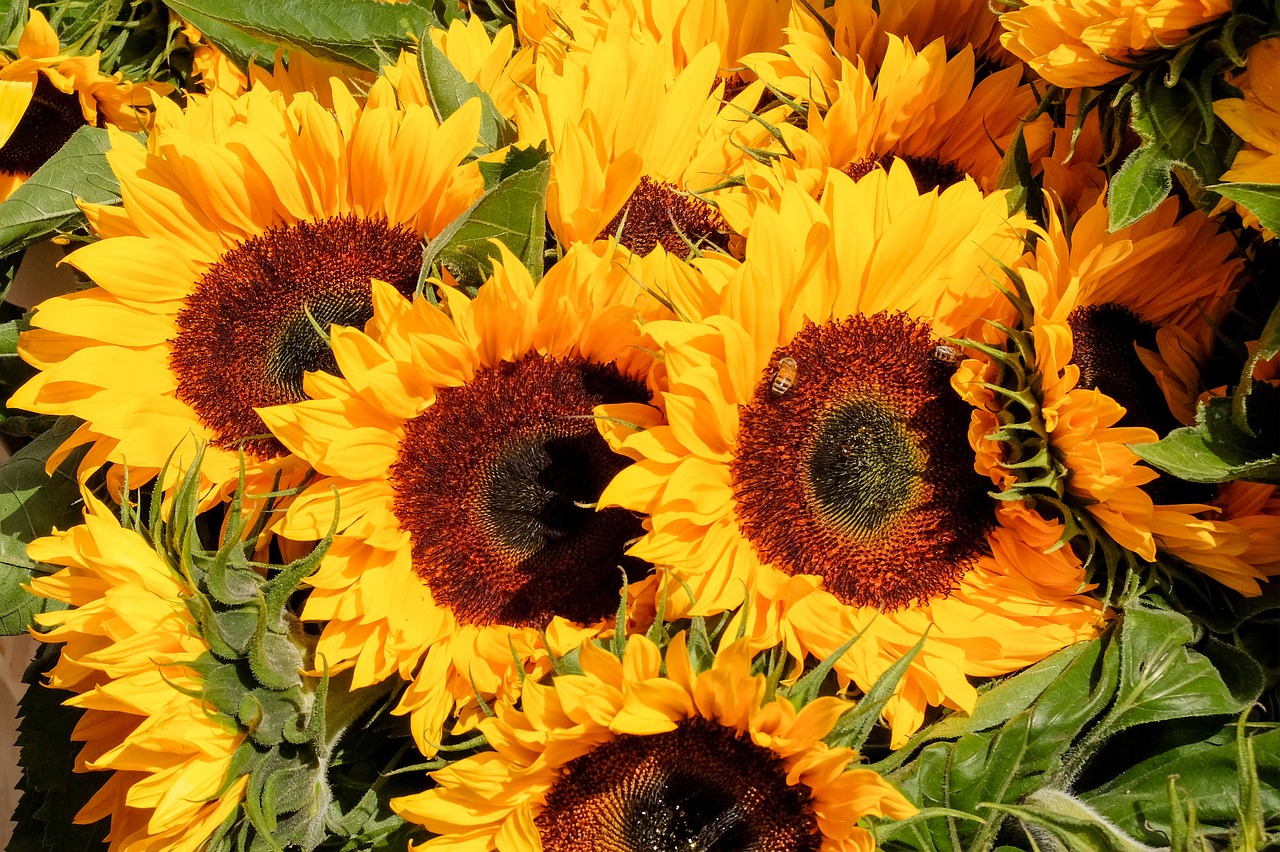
(929, 172)
(656, 213)
(497, 482)
(51, 118)
(700, 788)
(260, 318)
(1104, 340)
(861, 472)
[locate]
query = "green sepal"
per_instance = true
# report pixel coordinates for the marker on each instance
(808, 687)
(854, 727)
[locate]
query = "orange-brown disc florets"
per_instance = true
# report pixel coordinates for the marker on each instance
(260, 318)
(51, 118)
(930, 173)
(702, 786)
(497, 483)
(861, 472)
(657, 214)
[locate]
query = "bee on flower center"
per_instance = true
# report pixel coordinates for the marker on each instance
(785, 377)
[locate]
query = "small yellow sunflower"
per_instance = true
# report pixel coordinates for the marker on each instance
(927, 108)
(816, 458)
(46, 96)
(1097, 321)
(1073, 43)
(632, 144)
(129, 639)
(249, 225)
(647, 753)
(460, 455)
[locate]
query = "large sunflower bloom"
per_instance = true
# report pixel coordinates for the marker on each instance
(461, 458)
(249, 225)
(1073, 43)
(129, 638)
(611, 759)
(816, 455)
(1094, 315)
(46, 96)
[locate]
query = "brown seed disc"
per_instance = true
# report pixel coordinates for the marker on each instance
(700, 788)
(1104, 338)
(260, 316)
(496, 484)
(862, 473)
(656, 213)
(51, 118)
(929, 172)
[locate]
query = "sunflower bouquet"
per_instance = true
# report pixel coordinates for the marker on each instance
(644, 425)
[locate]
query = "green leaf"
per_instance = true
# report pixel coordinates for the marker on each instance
(448, 90)
(1260, 199)
(243, 49)
(1161, 678)
(1144, 180)
(31, 504)
(45, 205)
(12, 20)
(361, 34)
(1075, 824)
(1216, 449)
(512, 212)
(853, 728)
(1207, 774)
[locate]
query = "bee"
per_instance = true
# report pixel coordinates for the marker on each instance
(785, 377)
(947, 354)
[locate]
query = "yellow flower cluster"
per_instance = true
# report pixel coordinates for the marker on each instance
(787, 345)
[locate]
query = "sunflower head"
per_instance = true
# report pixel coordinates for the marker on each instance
(686, 749)
(46, 95)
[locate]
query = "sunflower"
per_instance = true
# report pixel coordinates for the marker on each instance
(816, 457)
(1073, 43)
(924, 108)
(46, 96)
(633, 145)
(129, 639)
(460, 456)
(1254, 118)
(647, 753)
(249, 225)
(1095, 328)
